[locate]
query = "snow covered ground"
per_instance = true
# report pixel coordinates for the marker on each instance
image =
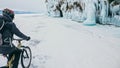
(62, 43)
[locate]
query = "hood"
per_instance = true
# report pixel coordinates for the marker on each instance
(7, 18)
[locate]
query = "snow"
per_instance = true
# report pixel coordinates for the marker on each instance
(62, 43)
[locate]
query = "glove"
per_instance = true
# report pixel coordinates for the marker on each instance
(28, 38)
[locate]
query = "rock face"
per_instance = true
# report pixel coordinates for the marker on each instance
(87, 11)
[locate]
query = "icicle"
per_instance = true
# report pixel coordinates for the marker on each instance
(90, 11)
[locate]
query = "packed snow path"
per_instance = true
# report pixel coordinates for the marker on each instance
(62, 43)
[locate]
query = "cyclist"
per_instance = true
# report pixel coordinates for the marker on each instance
(8, 31)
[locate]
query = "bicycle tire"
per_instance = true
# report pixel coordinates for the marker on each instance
(25, 55)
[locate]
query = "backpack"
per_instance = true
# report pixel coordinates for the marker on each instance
(2, 23)
(4, 33)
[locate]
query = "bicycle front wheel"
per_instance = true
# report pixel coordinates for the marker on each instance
(26, 57)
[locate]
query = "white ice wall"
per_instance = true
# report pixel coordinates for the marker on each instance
(89, 13)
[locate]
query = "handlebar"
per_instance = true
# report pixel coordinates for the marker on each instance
(18, 39)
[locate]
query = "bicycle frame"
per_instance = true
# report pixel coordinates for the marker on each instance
(9, 64)
(24, 55)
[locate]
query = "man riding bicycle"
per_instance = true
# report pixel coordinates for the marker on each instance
(8, 30)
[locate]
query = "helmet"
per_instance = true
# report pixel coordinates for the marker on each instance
(8, 12)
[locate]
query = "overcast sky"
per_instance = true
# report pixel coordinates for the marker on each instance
(28, 5)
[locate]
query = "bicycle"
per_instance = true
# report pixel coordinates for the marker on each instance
(26, 55)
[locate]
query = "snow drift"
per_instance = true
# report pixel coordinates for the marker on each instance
(62, 43)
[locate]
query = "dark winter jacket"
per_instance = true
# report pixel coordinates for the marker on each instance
(10, 29)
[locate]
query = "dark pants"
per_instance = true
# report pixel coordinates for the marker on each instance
(15, 62)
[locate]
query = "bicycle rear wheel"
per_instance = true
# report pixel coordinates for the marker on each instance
(26, 57)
